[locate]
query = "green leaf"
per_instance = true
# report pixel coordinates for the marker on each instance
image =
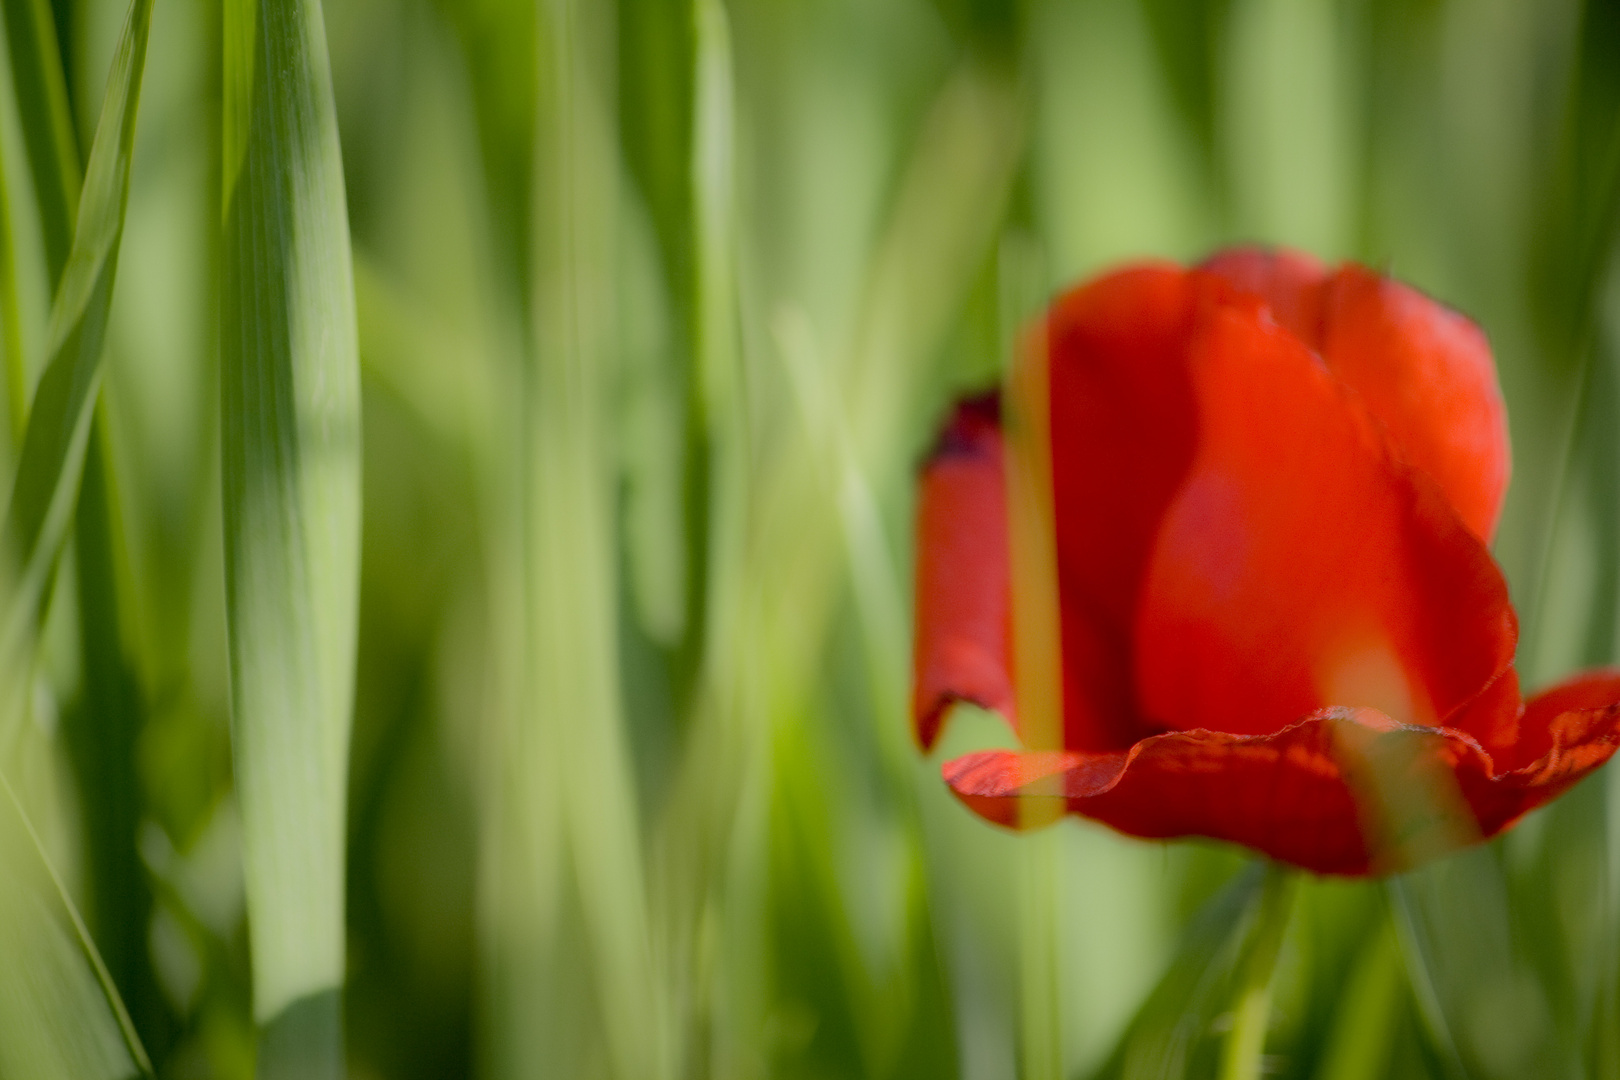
(1171, 1035)
(290, 443)
(1486, 1013)
(59, 424)
(11, 305)
(47, 123)
(101, 736)
(574, 712)
(59, 1014)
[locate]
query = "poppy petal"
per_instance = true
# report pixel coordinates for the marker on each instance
(1566, 732)
(1300, 565)
(1283, 794)
(1492, 719)
(1122, 432)
(1290, 282)
(1306, 794)
(1427, 374)
(963, 586)
(1424, 371)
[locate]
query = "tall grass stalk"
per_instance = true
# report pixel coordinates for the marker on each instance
(290, 443)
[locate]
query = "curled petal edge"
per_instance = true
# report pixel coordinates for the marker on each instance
(1311, 794)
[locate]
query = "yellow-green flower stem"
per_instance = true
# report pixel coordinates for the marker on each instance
(1251, 1012)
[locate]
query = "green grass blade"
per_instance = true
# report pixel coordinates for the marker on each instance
(1172, 1032)
(59, 424)
(47, 122)
(101, 736)
(576, 707)
(1486, 1013)
(60, 1016)
(11, 308)
(290, 440)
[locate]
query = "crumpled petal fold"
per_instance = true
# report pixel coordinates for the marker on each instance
(1302, 794)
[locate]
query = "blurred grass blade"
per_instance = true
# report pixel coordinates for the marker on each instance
(1171, 1035)
(47, 123)
(498, 39)
(59, 422)
(60, 1018)
(1358, 1045)
(11, 333)
(59, 1012)
(101, 737)
(576, 706)
(1486, 1013)
(290, 445)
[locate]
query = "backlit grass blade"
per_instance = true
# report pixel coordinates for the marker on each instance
(1171, 1034)
(290, 445)
(59, 423)
(11, 335)
(575, 710)
(59, 1012)
(1485, 1010)
(101, 736)
(47, 122)
(60, 1018)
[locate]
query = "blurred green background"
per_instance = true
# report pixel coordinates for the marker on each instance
(659, 303)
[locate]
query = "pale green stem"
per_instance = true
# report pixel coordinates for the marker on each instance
(1041, 1019)
(1251, 1013)
(16, 365)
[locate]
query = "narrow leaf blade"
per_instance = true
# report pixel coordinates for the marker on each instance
(59, 424)
(290, 441)
(59, 1014)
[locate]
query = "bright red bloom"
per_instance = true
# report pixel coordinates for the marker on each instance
(1271, 488)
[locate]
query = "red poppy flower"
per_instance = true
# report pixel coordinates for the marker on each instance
(1219, 556)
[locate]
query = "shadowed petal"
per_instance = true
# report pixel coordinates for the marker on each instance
(963, 587)
(1122, 435)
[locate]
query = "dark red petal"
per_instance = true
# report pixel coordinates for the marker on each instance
(1492, 720)
(1283, 794)
(1427, 374)
(1565, 733)
(963, 587)
(1300, 566)
(1122, 431)
(1290, 282)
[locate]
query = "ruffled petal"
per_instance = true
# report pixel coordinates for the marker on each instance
(1122, 437)
(963, 589)
(1283, 794)
(1345, 791)
(1300, 566)
(1566, 732)
(1427, 374)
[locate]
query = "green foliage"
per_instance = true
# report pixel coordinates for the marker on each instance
(290, 449)
(60, 1016)
(653, 307)
(60, 1012)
